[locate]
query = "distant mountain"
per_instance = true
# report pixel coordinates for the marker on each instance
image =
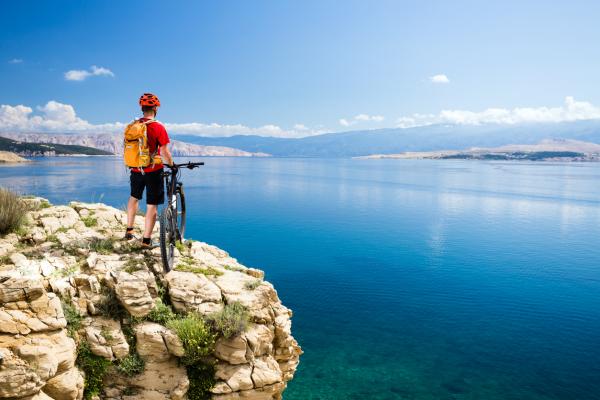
(546, 150)
(113, 144)
(46, 148)
(390, 141)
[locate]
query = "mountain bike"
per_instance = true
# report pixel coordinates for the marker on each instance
(172, 217)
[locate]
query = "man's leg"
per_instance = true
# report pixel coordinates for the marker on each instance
(132, 207)
(151, 214)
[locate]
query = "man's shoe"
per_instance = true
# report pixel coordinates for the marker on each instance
(128, 234)
(147, 243)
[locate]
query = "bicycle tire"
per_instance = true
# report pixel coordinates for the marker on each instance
(180, 214)
(167, 239)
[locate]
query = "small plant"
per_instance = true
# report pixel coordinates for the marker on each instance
(180, 246)
(188, 264)
(251, 285)
(62, 229)
(73, 318)
(22, 230)
(12, 211)
(132, 265)
(44, 204)
(234, 268)
(131, 365)
(53, 238)
(94, 367)
(195, 335)
(89, 221)
(161, 313)
(70, 270)
(102, 246)
(202, 379)
(230, 321)
(105, 333)
(5, 260)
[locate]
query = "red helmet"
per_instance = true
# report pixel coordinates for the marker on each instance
(149, 100)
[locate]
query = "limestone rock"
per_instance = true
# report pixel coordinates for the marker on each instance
(13, 289)
(260, 339)
(54, 218)
(65, 386)
(17, 378)
(133, 294)
(237, 377)
(193, 292)
(106, 338)
(232, 350)
(258, 301)
(266, 371)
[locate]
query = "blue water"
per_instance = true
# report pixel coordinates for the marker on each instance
(408, 279)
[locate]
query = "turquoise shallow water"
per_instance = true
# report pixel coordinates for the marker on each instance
(408, 279)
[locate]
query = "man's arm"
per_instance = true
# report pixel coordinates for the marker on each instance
(165, 154)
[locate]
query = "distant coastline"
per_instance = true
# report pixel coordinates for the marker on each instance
(9, 157)
(546, 150)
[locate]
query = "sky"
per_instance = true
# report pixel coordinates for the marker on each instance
(297, 68)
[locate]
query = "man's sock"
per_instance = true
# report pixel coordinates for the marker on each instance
(146, 240)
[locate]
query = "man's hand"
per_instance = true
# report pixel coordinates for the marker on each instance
(165, 154)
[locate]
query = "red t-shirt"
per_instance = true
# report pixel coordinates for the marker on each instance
(157, 137)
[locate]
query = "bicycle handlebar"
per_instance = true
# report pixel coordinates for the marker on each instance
(188, 165)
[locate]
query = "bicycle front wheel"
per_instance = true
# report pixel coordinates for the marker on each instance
(180, 214)
(168, 237)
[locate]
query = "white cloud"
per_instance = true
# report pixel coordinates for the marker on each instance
(62, 118)
(81, 75)
(53, 117)
(571, 110)
(360, 118)
(439, 78)
(15, 61)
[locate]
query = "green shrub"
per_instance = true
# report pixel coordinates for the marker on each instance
(202, 379)
(94, 367)
(132, 265)
(251, 285)
(185, 267)
(161, 313)
(12, 211)
(89, 221)
(44, 204)
(131, 365)
(230, 321)
(197, 339)
(53, 238)
(73, 318)
(102, 246)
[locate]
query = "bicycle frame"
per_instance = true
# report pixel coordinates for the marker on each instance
(172, 230)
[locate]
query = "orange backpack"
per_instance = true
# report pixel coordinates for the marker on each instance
(136, 153)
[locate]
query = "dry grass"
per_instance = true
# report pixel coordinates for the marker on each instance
(12, 211)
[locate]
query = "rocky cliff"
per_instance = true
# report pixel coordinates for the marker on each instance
(84, 314)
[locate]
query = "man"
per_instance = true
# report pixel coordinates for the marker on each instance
(151, 179)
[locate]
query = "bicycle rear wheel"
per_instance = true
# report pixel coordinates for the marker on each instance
(168, 237)
(180, 214)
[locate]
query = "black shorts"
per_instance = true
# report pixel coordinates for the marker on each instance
(152, 182)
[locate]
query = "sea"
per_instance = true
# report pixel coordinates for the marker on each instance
(408, 279)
